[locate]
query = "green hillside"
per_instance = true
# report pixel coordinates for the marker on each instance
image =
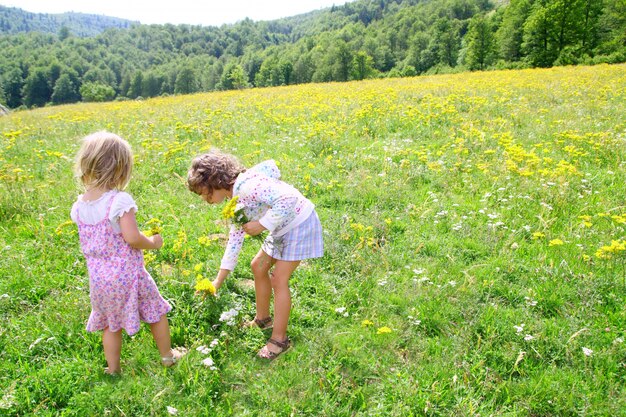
(358, 40)
(14, 20)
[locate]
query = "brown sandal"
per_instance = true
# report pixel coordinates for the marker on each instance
(265, 353)
(263, 324)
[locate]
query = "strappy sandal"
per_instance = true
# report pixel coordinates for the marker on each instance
(263, 324)
(177, 354)
(267, 354)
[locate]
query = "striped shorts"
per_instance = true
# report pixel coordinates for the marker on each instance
(305, 241)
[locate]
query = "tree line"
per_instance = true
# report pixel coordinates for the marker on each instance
(358, 40)
(14, 20)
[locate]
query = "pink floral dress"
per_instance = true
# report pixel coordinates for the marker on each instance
(122, 292)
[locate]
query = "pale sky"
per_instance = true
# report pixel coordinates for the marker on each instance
(193, 12)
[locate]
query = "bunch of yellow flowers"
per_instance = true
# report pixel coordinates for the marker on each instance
(608, 251)
(155, 227)
(205, 287)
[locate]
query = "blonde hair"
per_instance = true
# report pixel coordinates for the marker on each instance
(105, 160)
(213, 171)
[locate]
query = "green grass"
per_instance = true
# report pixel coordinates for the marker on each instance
(463, 212)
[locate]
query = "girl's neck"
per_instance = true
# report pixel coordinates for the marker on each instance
(92, 194)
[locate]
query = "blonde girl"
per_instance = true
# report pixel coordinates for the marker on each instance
(121, 291)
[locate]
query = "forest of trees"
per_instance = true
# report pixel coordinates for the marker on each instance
(14, 20)
(357, 40)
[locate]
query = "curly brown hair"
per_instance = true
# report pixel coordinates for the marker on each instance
(213, 171)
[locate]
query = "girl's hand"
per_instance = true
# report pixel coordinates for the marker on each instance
(219, 280)
(157, 241)
(253, 228)
(134, 237)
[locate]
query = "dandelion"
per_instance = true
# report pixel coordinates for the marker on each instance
(538, 235)
(366, 323)
(587, 351)
(555, 242)
(383, 330)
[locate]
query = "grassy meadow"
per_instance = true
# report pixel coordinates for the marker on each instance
(475, 256)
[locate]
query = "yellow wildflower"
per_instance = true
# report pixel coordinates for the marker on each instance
(228, 212)
(607, 252)
(366, 323)
(206, 286)
(383, 330)
(59, 229)
(555, 242)
(155, 227)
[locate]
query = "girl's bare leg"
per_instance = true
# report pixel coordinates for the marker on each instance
(161, 334)
(261, 265)
(282, 300)
(112, 344)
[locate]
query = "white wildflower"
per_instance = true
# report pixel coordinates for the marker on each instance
(203, 349)
(229, 316)
(587, 351)
(172, 411)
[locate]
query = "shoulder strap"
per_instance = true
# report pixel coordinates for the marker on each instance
(109, 205)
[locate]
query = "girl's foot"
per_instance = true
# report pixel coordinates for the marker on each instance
(109, 372)
(263, 324)
(176, 355)
(274, 348)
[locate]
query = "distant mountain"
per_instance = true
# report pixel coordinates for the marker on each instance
(14, 20)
